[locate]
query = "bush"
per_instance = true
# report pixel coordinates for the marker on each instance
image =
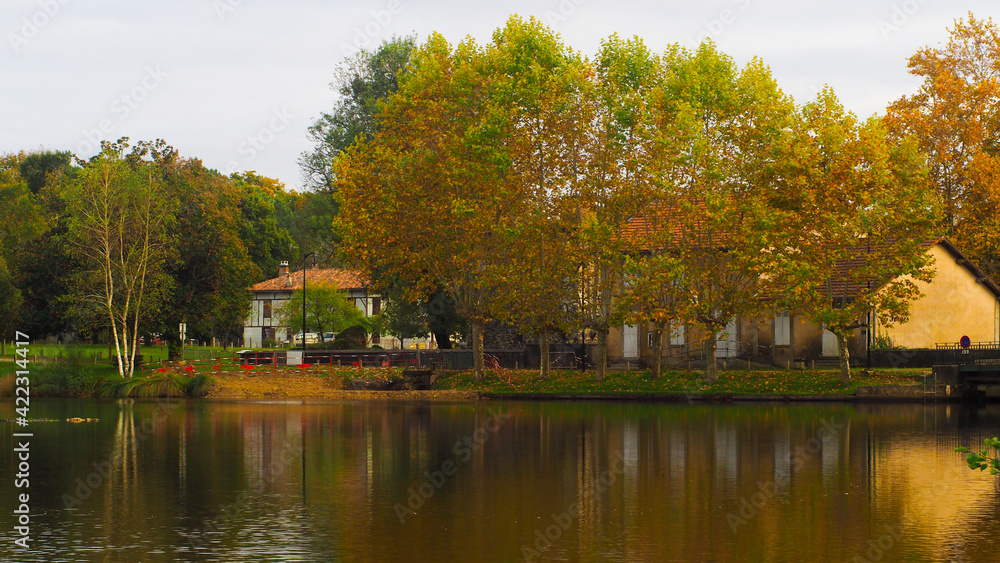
(885, 342)
(354, 338)
(199, 385)
(157, 385)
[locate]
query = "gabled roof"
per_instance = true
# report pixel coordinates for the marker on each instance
(857, 262)
(961, 260)
(343, 279)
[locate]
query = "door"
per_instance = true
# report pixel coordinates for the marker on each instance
(630, 337)
(830, 348)
(727, 346)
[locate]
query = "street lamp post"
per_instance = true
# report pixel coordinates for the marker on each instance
(304, 258)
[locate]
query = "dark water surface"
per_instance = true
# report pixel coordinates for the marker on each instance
(502, 481)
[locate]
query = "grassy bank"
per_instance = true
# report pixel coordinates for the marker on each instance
(60, 371)
(77, 375)
(756, 382)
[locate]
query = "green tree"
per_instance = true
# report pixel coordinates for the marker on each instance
(611, 159)
(117, 221)
(267, 242)
(37, 167)
(208, 262)
(326, 310)
(21, 225)
(538, 84)
(984, 459)
(363, 82)
(308, 220)
(717, 130)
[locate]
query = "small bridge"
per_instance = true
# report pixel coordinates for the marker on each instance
(969, 362)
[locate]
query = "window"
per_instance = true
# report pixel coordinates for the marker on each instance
(676, 333)
(267, 308)
(782, 329)
(376, 305)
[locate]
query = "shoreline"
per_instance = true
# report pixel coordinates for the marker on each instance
(353, 384)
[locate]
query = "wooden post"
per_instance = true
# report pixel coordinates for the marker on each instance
(814, 365)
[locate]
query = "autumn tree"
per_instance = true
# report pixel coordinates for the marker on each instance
(652, 292)
(118, 217)
(955, 116)
(539, 83)
(423, 198)
(858, 209)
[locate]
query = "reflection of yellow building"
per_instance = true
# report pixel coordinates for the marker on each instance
(960, 301)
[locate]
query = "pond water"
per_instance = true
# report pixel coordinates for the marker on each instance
(502, 481)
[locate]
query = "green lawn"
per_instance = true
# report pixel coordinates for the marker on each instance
(90, 352)
(78, 370)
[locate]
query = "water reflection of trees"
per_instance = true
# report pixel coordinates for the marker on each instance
(838, 473)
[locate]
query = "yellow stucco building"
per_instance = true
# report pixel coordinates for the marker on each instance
(960, 301)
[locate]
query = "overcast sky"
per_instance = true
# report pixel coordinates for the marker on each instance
(237, 82)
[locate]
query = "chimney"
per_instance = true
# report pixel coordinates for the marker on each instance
(283, 269)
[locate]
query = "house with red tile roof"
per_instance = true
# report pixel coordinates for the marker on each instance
(960, 301)
(264, 323)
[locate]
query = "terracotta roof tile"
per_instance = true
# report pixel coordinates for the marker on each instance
(343, 279)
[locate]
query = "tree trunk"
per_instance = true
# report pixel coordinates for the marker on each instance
(657, 349)
(601, 361)
(478, 328)
(543, 352)
(442, 339)
(711, 369)
(845, 359)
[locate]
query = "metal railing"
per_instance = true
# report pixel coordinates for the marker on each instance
(976, 353)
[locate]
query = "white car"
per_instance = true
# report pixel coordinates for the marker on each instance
(311, 338)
